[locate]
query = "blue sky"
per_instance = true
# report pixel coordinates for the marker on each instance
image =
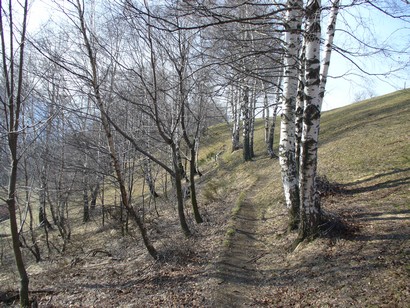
(376, 29)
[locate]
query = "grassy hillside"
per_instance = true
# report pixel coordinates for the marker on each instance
(240, 254)
(364, 153)
(367, 138)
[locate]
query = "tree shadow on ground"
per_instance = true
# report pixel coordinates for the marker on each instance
(386, 184)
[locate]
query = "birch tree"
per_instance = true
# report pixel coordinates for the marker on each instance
(270, 124)
(315, 76)
(287, 133)
(236, 117)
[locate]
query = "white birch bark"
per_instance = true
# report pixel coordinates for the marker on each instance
(315, 77)
(287, 132)
(236, 118)
(252, 106)
(246, 124)
(300, 103)
(330, 34)
(266, 112)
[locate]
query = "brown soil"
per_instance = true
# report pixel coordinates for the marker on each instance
(236, 267)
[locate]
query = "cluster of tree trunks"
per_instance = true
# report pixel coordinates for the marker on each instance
(304, 86)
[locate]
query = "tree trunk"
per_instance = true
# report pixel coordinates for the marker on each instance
(12, 90)
(299, 108)
(315, 76)
(42, 212)
(33, 247)
(266, 115)
(197, 171)
(148, 177)
(11, 204)
(94, 195)
(310, 214)
(236, 119)
(271, 136)
(330, 34)
(246, 125)
(192, 171)
(179, 193)
(272, 125)
(86, 205)
(179, 160)
(252, 120)
(287, 133)
(108, 134)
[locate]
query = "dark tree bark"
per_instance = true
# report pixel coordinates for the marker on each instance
(179, 193)
(192, 172)
(94, 195)
(12, 71)
(86, 203)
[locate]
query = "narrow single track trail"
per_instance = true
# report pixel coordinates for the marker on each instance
(236, 270)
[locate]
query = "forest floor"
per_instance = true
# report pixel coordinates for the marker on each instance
(240, 256)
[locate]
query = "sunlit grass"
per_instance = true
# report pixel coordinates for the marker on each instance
(366, 138)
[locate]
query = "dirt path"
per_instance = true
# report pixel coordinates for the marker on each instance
(369, 267)
(236, 270)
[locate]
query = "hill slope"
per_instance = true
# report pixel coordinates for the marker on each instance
(239, 256)
(365, 154)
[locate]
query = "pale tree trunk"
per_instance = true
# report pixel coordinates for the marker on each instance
(287, 133)
(330, 34)
(272, 125)
(246, 125)
(236, 118)
(148, 177)
(197, 171)
(266, 113)
(315, 76)
(252, 120)
(94, 195)
(300, 103)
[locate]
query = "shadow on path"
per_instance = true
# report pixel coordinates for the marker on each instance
(236, 270)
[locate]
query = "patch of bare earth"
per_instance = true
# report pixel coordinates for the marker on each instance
(238, 277)
(102, 268)
(367, 268)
